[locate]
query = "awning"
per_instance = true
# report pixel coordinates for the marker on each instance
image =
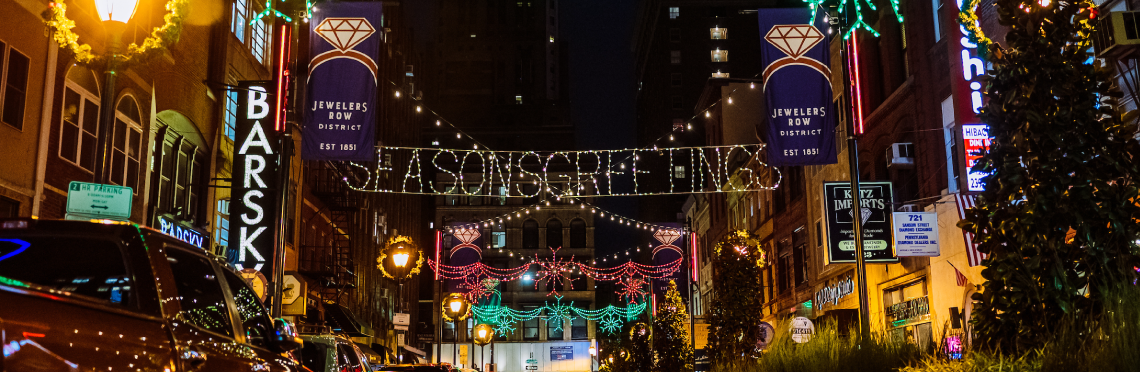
(416, 351)
(373, 356)
(341, 319)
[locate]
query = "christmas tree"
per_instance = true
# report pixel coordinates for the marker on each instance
(737, 260)
(671, 333)
(1058, 215)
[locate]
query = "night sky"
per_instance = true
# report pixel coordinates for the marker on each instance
(602, 88)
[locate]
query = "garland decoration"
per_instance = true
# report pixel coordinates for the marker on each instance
(969, 21)
(55, 18)
(617, 273)
(412, 248)
(610, 319)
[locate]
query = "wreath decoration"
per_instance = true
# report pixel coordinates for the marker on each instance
(412, 247)
(743, 244)
(55, 17)
(444, 309)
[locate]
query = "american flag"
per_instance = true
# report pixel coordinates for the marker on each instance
(973, 257)
(959, 277)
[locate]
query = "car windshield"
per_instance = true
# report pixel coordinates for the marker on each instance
(89, 266)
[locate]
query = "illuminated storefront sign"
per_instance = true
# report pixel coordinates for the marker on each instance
(832, 294)
(254, 208)
(181, 232)
(976, 140)
(915, 309)
(968, 102)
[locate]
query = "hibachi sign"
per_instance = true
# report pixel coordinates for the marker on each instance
(254, 184)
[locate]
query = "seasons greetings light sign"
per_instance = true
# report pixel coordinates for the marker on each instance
(526, 174)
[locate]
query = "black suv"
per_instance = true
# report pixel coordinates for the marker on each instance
(85, 296)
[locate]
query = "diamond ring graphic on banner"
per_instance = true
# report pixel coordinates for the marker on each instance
(466, 236)
(345, 33)
(795, 41)
(667, 237)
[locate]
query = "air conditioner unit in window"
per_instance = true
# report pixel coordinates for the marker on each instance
(408, 70)
(1117, 34)
(910, 208)
(900, 155)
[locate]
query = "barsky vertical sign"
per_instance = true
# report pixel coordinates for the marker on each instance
(797, 88)
(875, 213)
(253, 209)
(342, 84)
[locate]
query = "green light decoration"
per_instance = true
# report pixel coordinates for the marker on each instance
(859, 23)
(270, 10)
(610, 319)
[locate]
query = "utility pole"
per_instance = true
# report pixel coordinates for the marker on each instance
(856, 198)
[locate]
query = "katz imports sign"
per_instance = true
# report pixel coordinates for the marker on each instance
(797, 88)
(341, 109)
(916, 234)
(253, 209)
(877, 199)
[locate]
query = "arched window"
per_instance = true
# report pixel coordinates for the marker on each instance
(554, 233)
(577, 233)
(126, 144)
(80, 125)
(530, 234)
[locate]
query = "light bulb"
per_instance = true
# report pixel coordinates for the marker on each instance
(397, 94)
(707, 114)
(730, 100)
(400, 259)
(456, 306)
(437, 123)
(752, 86)
(418, 109)
(458, 136)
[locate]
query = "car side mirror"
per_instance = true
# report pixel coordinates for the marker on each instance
(284, 336)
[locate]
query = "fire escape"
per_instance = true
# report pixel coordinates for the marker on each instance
(330, 260)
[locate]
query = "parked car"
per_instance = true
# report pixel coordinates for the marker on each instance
(332, 353)
(85, 296)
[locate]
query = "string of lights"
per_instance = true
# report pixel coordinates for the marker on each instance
(610, 319)
(474, 272)
(600, 212)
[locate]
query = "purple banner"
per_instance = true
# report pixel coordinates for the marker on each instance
(797, 88)
(340, 114)
(669, 246)
(463, 246)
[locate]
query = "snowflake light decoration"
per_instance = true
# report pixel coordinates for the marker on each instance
(633, 288)
(553, 272)
(859, 22)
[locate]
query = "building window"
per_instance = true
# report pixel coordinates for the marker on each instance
(474, 190)
(240, 19)
(257, 41)
(554, 234)
(936, 5)
(675, 35)
(14, 89)
(577, 233)
(530, 234)
(579, 329)
(80, 118)
(126, 144)
(800, 263)
(222, 224)
(674, 12)
(518, 100)
(717, 33)
(555, 328)
(675, 57)
(719, 55)
(449, 331)
(530, 327)
(675, 79)
(949, 134)
(231, 113)
(498, 236)
(720, 75)
(179, 161)
(502, 192)
(677, 102)
(9, 208)
(795, 182)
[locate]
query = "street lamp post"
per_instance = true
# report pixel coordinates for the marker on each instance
(115, 15)
(400, 260)
(455, 308)
(484, 335)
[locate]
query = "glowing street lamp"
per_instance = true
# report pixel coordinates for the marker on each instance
(115, 14)
(455, 307)
(400, 256)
